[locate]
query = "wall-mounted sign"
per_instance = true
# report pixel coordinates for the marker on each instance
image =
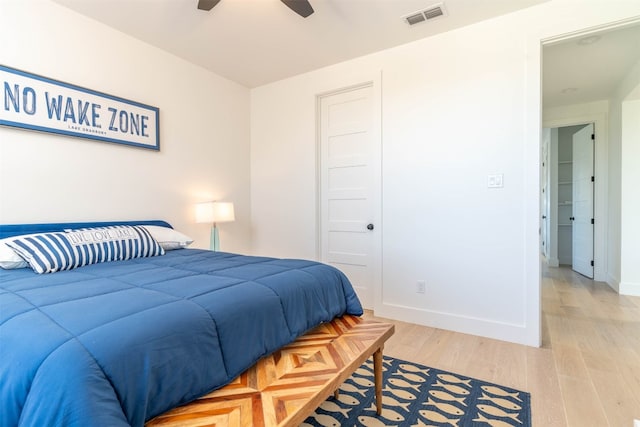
(29, 101)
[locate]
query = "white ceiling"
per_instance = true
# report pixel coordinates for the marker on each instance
(575, 71)
(254, 42)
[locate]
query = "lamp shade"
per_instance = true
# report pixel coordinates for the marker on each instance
(211, 212)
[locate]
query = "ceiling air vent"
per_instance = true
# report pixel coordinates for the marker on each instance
(432, 12)
(415, 18)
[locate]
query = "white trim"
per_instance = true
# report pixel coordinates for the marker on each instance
(531, 332)
(613, 283)
(550, 41)
(553, 196)
(553, 262)
(377, 161)
(631, 289)
(516, 333)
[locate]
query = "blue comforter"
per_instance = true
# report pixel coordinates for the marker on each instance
(118, 343)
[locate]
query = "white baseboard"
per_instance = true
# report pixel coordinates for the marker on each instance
(565, 261)
(631, 289)
(613, 283)
(502, 331)
(553, 262)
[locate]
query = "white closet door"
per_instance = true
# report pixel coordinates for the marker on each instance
(583, 201)
(348, 191)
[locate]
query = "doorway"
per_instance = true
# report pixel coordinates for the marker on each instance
(574, 93)
(570, 198)
(349, 190)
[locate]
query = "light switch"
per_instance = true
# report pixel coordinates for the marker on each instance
(495, 181)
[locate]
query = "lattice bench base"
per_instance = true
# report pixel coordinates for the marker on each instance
(283, 389)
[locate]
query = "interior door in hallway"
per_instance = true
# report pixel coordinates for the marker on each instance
(349, 188)
(583, 201)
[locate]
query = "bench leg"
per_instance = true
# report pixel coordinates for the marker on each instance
(377, 373)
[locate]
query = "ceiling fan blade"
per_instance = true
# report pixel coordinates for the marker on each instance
(207, 4)
(301, 7)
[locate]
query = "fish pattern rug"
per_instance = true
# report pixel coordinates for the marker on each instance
(416, 395)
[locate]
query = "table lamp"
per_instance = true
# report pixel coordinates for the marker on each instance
(213, 213)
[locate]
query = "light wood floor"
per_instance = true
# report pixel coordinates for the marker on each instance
(587, 372)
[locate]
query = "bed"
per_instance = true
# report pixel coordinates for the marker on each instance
(117, 343)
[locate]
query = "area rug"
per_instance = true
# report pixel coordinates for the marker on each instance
(417, 395)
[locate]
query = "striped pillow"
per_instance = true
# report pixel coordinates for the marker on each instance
(51, 252)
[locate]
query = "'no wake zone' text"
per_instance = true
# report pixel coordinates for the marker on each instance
(78, 114)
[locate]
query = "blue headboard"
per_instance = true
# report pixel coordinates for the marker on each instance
(19, 229)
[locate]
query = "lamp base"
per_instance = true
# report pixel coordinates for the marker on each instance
(214, 240)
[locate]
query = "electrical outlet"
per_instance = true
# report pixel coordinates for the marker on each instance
(421, 286)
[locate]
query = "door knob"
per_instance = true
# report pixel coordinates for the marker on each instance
(370, 227)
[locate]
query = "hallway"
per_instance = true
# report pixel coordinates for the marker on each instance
(594, 335)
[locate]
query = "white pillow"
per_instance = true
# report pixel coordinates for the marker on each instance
(168, 238)
(9, 259)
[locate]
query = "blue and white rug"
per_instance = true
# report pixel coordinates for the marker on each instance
(416, 395)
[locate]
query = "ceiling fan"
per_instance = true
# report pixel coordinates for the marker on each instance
(301, 7)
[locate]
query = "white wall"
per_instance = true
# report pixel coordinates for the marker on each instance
(436, 205)
(630, 202)
(624, 274)
(204, 131)
(456, 107)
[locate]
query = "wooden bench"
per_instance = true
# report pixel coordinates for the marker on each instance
(284, 388)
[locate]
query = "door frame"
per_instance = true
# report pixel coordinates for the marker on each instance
(377, 196)
(534, 123)
(545, 198)
(601, 173)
